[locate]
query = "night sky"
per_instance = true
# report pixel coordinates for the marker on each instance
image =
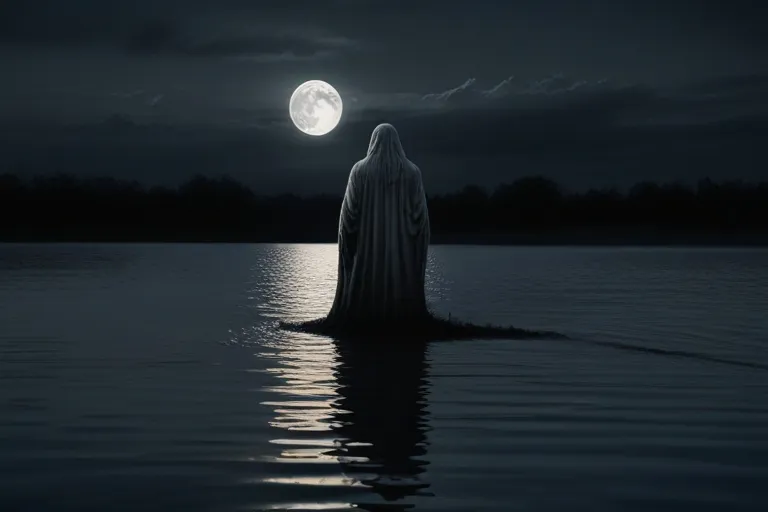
(589, 93)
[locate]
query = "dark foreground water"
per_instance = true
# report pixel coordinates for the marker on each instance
(149, 377)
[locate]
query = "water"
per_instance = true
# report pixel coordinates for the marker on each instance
(150, 377)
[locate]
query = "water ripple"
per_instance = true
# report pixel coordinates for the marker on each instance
(151, 377)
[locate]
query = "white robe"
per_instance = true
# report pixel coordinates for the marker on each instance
(383, 238)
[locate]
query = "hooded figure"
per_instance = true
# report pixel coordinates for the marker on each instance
(383, 239)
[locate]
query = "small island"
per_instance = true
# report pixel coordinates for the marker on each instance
(428, 329)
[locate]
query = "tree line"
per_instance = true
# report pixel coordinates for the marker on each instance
(65, 207)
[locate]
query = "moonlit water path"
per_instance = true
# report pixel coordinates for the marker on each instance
(148, 377)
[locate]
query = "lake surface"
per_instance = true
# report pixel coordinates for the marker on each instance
(150, 377)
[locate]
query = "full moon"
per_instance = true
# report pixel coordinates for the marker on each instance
(315, 107)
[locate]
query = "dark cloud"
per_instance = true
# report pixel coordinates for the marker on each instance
(738, 20)
(50, 23)
(199, 29)
(753, 85)
(606, 101)
(165, 38)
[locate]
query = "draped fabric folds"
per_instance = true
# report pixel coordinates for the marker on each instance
(383, 238)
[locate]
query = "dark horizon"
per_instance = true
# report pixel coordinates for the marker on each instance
(532, 209)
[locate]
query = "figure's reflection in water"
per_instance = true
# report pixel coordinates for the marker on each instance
(349, 417)
(384, 390)
(371, 399)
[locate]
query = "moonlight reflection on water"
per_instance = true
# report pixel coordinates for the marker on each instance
(335, 404)
(339, 404)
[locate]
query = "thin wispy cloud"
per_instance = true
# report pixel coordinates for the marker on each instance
(470, 91)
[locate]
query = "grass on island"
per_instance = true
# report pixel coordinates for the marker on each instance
(429, 328)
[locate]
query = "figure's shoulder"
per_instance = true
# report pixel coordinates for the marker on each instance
(356, 170)
(413, 170)
(359, 166)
